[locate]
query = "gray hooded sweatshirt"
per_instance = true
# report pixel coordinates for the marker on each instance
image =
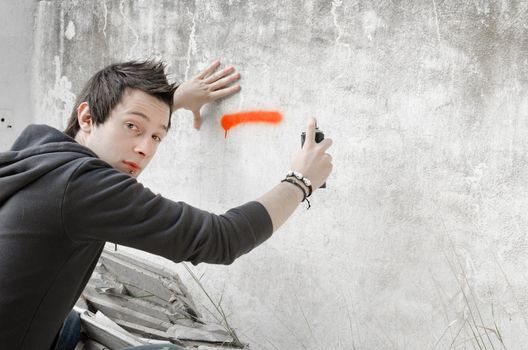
(59, 204)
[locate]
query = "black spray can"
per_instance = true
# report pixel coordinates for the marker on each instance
(319, 136)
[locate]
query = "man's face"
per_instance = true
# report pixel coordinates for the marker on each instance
(130, 136)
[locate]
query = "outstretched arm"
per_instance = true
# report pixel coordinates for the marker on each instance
(314, 163)
(206, 87)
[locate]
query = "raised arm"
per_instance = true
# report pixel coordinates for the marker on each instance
(313, 163)
(312, 160)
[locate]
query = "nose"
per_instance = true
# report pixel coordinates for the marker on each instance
(145, 148)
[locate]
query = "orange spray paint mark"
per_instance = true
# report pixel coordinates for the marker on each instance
(231, 120)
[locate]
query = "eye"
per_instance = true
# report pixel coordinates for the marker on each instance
(156, 138)
(132, 126)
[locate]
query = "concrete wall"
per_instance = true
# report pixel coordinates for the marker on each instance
(16, 38)
(419, 241)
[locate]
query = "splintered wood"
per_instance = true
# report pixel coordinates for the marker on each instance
(130, 302)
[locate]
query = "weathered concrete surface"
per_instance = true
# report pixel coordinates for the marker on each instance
(419, 241)
(16, 38)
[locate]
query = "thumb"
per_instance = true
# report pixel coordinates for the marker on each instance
(197, 119)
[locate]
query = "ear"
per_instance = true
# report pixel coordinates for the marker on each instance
(84, 118)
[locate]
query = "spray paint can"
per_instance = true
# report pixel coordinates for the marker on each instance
(319, 136)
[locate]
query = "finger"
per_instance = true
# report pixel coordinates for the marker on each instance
(215, 95)
(219, 75)
(224, 81)
(209, 70)
(310, 132)
(197, 120)
(325, 144)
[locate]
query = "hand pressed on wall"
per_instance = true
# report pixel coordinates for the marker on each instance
(206, 87)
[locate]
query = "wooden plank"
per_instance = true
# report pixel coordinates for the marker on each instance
(109, 337)
(155, 341)
(93, 345)
(173, 280)
(178, 287)
(81, 303)
(140, 282)
(135, 304)
(175, 307)
(102, 279)
(149, 266)
(148, 332)
(117, 312)
(207, 333)
(144, 295)
(107, 322)
(90, 344)
(130, 274)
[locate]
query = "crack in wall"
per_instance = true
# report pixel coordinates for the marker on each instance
(191, 48)
(335, 5)
(61, 34)
(436, 20)
(105, 17)
(127, 22)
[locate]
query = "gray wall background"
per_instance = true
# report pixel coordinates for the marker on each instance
(16, 39)
(419, 241)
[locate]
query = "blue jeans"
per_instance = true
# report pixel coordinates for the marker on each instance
(70, 332)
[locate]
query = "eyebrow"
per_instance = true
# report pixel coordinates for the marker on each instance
(144, 116)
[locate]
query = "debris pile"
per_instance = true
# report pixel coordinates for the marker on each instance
(130, 301)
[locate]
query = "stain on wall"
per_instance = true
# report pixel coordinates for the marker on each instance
(419, 240)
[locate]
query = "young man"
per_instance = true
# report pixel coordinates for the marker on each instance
(63, 195)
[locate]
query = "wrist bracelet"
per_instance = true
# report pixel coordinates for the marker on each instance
(309, 187)
(293, 182)
(301, 177)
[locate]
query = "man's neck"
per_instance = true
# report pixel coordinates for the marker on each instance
(80, 138)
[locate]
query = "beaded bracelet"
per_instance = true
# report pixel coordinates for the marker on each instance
(309, 187)
(293, 182)
(301, 177)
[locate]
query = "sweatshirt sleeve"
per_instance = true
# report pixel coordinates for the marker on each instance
(102, 204)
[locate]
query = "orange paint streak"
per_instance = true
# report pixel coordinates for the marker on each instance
(231, 120)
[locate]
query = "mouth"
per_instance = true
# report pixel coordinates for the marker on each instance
(132, 167)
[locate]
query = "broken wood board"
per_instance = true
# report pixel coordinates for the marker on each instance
(148, 332)
(207, 333)
(122, 313)
(90, 344)
(157, 269)
(141, 282)
(106, 335)
(134, 304)
(176, 306)
(140, 278)
(150, 266)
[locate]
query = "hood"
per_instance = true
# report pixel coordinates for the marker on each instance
(37, 151)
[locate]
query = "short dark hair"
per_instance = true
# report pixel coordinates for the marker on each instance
(105, 89)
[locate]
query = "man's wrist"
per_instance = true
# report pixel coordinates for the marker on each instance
(303, 184)
(176, 104)
(300, 178)
(293, 191)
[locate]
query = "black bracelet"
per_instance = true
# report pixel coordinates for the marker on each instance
(293, 182)
(301, 177)
(309, 187)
